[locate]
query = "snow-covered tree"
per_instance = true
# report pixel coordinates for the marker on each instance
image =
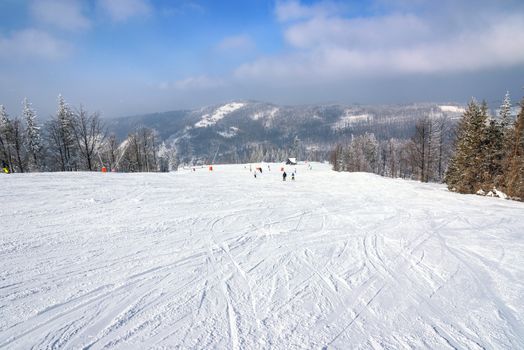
(493, 154)
(61, 138)
(505, 111)
(463, 174)
(19, 156)
(89, 136)
(167, 158)
(109, 152)
(141, 151)
(296, 148)
(33, 138)
(515, 169)
(422, 148)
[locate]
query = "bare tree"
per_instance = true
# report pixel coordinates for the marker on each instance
(6, 137)
(61, 139)
(89, 135)
(422, 148)
(18, 144)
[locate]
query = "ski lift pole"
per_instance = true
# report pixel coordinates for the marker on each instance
(216, 153)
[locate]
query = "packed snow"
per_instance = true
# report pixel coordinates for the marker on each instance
(220, 259)
(218, 114)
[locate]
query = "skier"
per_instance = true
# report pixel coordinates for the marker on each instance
(293, 176)
(284, 175)
(255, 174)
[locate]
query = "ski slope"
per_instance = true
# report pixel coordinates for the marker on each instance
(200, 260)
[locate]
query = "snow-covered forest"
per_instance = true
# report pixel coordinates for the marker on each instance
(483, 154)
(77, 140)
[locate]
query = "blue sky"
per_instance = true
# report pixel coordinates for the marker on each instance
(123, 57)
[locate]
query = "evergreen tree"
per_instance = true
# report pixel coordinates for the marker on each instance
(505, 111)
(33, 139)
(463, 173)
(515, 170)
(492, 155)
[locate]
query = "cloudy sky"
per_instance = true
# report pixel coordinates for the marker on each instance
(123, 57)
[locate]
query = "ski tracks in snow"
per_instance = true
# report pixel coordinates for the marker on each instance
(192, 260)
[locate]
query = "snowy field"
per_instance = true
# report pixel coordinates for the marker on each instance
(222, 260)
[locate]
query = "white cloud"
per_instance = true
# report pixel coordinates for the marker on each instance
(384, 31)
(122, 10)
(325, 46)
(33, 43)
(293, 10)
(64, 14)
(238, 42)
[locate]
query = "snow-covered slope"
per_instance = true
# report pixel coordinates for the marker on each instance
(350, 118)
(452, 109)
(218, 114)
(221, 260)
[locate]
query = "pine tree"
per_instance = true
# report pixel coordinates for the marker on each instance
(505, 111)
(33, 139)
(463, 173)
(515, 170)
(493, 155)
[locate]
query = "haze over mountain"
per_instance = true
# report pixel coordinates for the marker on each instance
(227, 131)
(126, 57)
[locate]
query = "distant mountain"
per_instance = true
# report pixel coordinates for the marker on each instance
(230, 131)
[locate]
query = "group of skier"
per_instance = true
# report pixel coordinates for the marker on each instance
(284, 175)
(259, 170)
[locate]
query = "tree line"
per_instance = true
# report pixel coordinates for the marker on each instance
(489, 152)
(424, 156)
(481, 153)
(76, 140)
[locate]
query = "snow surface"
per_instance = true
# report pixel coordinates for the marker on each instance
(220, 113)
(224, 260)
(349, 118)
(231, 132)
(266, 115)
(452, 109)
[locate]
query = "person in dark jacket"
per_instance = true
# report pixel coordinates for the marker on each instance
(284, 175)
